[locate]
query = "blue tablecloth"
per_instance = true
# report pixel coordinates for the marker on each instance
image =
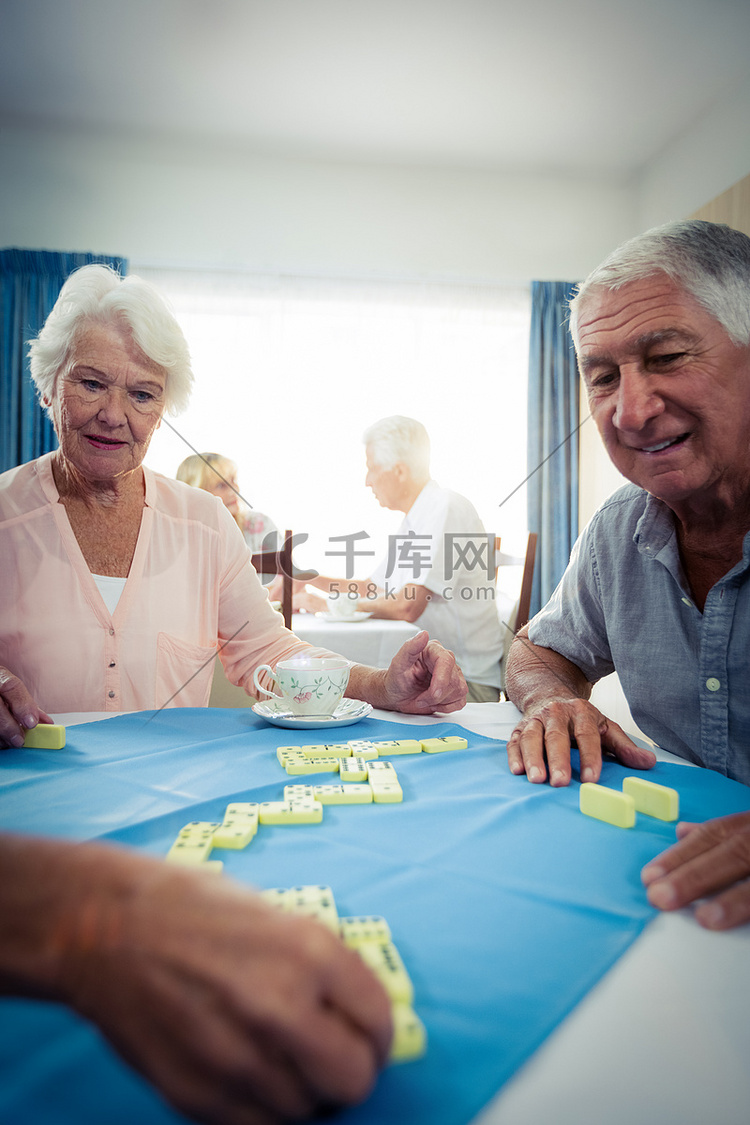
(506, 903)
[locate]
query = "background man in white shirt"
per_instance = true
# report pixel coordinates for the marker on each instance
(439, 569)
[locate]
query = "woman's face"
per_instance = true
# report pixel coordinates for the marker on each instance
(108, 405)
(225, 486)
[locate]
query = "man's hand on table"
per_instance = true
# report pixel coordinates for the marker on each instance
(547, 731)
(238, 1014)
(422, 678)
(709, 861)
(18, 710)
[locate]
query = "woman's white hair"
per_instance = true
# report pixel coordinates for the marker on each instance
(97, 294)
(710, 261)
(399, 439)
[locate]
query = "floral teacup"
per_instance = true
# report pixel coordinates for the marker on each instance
(308, 685)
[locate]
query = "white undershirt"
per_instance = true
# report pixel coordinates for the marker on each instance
(110, 589)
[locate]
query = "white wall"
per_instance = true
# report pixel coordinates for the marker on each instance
(171, 204)
(711, 154)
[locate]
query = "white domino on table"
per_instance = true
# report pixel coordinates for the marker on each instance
(409, 1035)
(45, 736)
(328, 750)
(291, 812)
(235, 834)
(381, 771)
(194, 843)
(190, 852)
(198, 830)
(363, 748)
(299, 764)
(385, 961)
(364, 927)
(299, 792)
(353, 769)
(284, 751)
(440, 745)
(315, 902)
(399, 746)
(351, 794)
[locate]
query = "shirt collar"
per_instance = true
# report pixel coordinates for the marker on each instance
(422, 501)
(656, 532)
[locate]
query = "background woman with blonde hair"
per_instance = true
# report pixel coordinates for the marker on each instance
(217, 474)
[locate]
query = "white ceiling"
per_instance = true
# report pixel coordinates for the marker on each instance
(592, 86)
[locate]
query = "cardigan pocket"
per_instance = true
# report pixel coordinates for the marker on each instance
(184, 672)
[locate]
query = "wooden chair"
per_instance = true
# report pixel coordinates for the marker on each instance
(519, 615)
(280, 562)
(527, 579)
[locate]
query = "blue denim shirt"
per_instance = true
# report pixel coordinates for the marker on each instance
(623, 604)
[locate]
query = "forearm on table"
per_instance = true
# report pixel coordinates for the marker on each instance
(368, 684)
(54, 897)
(535, 675)
(408, 604)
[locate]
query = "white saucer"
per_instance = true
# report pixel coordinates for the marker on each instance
(360, 615)
(348, 711)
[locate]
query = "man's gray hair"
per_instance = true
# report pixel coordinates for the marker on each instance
(710, 261)
(97, 294)
(399, 439)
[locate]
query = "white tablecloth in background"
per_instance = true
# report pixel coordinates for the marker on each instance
(374, 641)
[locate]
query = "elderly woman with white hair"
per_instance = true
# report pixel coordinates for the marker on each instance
(120, 585)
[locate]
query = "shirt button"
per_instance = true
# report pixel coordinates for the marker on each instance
(713, 684)
(111, 663)
(111, 695)
(111, 632)
(686, 601)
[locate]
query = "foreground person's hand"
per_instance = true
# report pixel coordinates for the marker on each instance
(709, 861)
(238, 1014)
(18, 710)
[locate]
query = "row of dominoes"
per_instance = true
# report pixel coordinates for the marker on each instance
(196, 840)
(302, 804)
(360, 782)
(328, 756)
(638, 795)
(366, 778)
(370, 936)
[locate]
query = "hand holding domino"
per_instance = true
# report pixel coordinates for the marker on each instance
(19, 712)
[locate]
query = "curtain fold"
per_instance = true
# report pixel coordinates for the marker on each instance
(30, 281)
(553, 422)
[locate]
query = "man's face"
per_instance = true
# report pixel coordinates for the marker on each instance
(387, 484)
(669, 392)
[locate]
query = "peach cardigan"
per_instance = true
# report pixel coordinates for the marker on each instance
(191, 586)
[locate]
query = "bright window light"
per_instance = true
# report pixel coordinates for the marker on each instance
(290, 372)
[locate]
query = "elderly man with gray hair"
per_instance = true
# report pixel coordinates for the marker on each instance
(658, 585)
(448, 592)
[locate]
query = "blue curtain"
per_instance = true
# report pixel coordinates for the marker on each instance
(553, 435)
(30, 281)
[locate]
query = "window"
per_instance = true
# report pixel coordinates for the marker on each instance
(290, 371)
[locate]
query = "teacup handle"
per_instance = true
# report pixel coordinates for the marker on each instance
(258, 687)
